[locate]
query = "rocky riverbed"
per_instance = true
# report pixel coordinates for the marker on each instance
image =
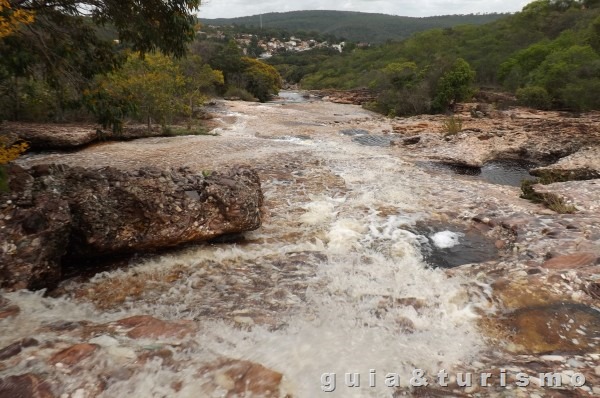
(345, 275)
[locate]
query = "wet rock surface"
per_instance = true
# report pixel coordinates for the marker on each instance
(35, 224)
(243, 378)
(334, 280)
(69, 137)
(57, 210)
(26, 385)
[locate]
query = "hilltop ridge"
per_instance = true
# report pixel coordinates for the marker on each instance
(374, 28)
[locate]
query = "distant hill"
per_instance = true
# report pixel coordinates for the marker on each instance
(354, 26)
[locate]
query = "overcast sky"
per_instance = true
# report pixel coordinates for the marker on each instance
(421, 8)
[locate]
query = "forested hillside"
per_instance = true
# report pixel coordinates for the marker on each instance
(548, 55)
(353, 26)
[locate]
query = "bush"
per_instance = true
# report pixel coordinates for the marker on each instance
(236, 92)
(535, 97)
(452, 126)
(454, 86)
(260, 79)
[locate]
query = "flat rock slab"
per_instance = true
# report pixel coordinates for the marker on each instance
(584, 195)
(569, 261)
(582, 165)
(372, 140)
(52, 136)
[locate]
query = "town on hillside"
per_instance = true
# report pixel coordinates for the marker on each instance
(268, 46)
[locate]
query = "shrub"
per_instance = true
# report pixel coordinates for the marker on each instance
(452, 125)
(551, 201)
(260, 79)
(236, 92)
(535, 97)
(454, 86)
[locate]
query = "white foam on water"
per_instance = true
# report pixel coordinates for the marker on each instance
(371, 304)
(318, 210)
(446, 239)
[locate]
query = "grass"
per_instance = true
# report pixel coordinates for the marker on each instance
(452, 126)
(550, 200)
(557, 204)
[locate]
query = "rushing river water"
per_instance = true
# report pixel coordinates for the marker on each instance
(334, 282)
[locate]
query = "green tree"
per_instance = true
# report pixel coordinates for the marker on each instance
(145, 26)
(254, 50)
(63, 44)
(534, 96)
(570, 76)
(454, 86)
(155, 88)
(260, 79)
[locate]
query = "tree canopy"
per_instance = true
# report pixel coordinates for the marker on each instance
(52, 50)
(144, 25)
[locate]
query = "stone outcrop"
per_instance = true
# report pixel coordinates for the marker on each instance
(56, 210)
(581, 165)
(51, 136)
(55, 136)
(517, 133)
(34, 228)
(354, 97)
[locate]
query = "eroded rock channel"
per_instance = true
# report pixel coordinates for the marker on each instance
(338, 278)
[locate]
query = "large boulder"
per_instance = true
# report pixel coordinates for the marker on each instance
(56, 210)
(51, 136)
(34, 230)
(116, 211)
(581, 165)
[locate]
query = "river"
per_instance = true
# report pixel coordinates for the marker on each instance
(334, 282)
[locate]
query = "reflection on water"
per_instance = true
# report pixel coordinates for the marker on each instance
(507, 172)
(448, 246)
(502, 171)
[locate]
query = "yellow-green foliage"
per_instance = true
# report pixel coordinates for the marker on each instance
(8, 153)
(452, 125)
(155, 87)
(11, 18)
(260, 79)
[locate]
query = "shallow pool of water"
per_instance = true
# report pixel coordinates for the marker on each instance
(501, 171)
(448, 246)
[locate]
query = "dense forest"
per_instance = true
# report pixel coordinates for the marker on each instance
(351, 26)
(547, 54)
